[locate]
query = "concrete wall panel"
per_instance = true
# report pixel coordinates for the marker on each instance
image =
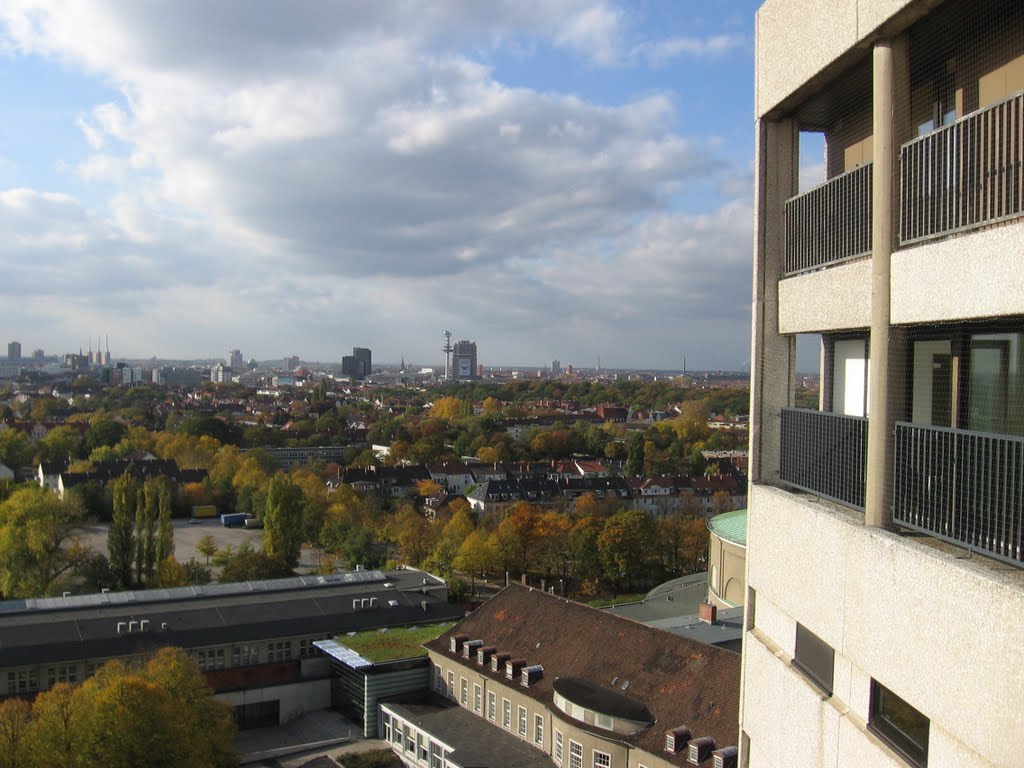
(838, 298)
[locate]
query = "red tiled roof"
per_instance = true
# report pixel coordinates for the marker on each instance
(681, 681)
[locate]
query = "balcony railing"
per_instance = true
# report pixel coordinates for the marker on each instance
(831, 223)
(964, 487)
(965, 175)
(825, 453)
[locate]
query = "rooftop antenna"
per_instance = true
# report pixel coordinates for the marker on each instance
(447, 349)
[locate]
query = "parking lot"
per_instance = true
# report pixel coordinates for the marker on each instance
(187, 535)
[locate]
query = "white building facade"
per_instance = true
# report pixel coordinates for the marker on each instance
(886, 527)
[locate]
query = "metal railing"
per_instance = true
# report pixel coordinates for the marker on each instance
(965, 175)
(961, 486)
(831, 223)
(825, 454)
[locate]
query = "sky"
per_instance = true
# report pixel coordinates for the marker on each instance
(563, 180)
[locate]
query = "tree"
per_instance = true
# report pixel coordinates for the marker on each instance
(15, 448)
(121, 535)
(515, 537)
(207, 546)
(38, 545)
(412, 532)
(447, 408)
(103, 432)
(626, 544)
(476, 554)
(171, 573)
(282, 521)
(58, 445)
(427, 488)
(15, 721)
(635, 456)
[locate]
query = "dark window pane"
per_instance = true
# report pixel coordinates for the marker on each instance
(899, 724)
(815, 658)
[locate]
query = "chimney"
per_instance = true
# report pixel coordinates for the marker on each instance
(697, 750)
(469, 648)
(531, 675)
(513, 667)
(456, 643)
(726, 757)
(498, 661)
(483, 655)
(675, 740)
(708, 613)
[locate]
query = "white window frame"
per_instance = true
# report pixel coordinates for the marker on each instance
(523, 721)
(492, 706)
(506, 714)
(478, 698)
(575, 754)
(451, 685)
(538, 729)
(602, 759)
(463, 692)
(558, 746)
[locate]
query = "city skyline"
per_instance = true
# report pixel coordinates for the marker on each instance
(575, 177)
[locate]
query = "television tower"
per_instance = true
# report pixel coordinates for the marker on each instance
(447, 349)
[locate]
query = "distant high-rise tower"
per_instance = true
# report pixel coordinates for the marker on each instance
(14, 351)
(447, 349)
(234, 360)
(358, 365)
(105, 358)
(291, 362)
(464, 361)
(556, 367)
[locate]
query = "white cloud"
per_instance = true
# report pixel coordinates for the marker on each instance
(657, 53)
(331, 166)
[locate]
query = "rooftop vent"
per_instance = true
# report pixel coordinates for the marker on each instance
(392, 603)
(498, 660)
(469, 648)
(513, 667)
(675, 740)
(531, 675)
(727, 757)
(457, 641)
(144, 625)
(699, 749)
(483, 655)
(122, 627)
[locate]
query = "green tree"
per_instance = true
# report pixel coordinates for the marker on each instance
(635, 455)
(38, 543)
(15, 448)
(625, 545)
(121, 535)
(206, 546)
(282, 521)
(58, 445)
(476, 554)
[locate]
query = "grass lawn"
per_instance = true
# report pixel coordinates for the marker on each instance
(395, 643)
(604, 602)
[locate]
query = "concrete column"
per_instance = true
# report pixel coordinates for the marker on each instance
(773, 356)
(878, 495)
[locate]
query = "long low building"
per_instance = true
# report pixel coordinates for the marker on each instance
(253, 640)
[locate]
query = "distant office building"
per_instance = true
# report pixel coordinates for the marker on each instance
(358, 365)
(234, 359)
(464, 361)
(291, 363)
(38, 354)
(178, 377)
(556, 367)
(14, 351)
(220, 373)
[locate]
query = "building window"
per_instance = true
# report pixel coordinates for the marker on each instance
(522, 722)
(506, 714)
(396, 736)
(558, 747)
(603, 721)
(538, 729)
(410, 740)
(439, 680)
(451, 685)
(421, 740)
(575, 754)
(898, 724)
(477, 698)
(386, 720)
(436, 755)
(463, 691)
(602, 760)
(492, 706)
(815, 658)
(751, 608)
(23, 681)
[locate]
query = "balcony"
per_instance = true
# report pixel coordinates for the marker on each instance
(825, 454)
(961, 486)
(831, 223)
(966, 175)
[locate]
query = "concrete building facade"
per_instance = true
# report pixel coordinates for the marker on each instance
(885, 527)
